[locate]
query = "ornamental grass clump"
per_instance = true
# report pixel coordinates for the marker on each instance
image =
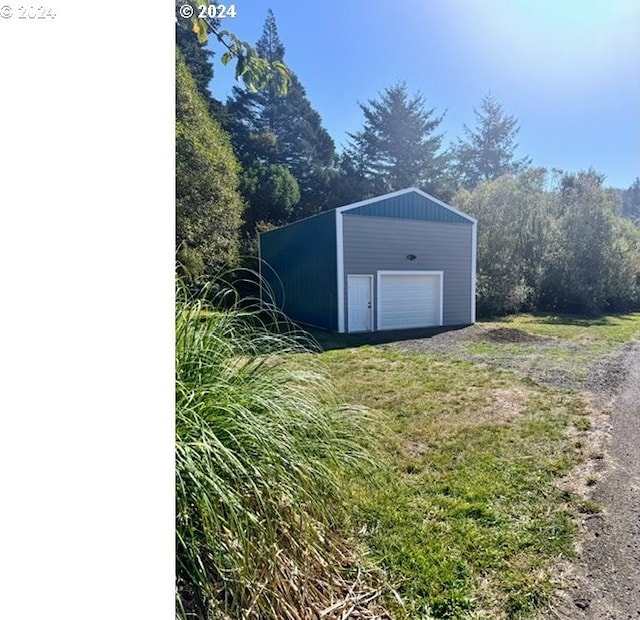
(261, 454)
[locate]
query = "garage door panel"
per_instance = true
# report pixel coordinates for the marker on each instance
(409, 300)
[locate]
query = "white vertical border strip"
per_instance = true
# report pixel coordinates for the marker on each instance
(474, 249)
(340, 270)
(371, 302)
(378, 299)
(441, 298)
(260, 269)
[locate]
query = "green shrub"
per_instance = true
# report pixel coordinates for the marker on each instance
(261, 449)
(208, 204)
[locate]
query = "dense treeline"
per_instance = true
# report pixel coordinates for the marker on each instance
(556, 241)
(552, 245)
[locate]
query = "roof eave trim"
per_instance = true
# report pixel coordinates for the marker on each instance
(369, 201)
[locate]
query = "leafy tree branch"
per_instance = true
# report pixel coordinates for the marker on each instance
(253, 70)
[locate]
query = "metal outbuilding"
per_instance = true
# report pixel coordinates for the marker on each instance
(397, 261)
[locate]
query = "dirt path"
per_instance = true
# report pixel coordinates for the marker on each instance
(605, 582)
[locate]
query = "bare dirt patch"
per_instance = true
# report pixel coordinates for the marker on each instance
(441, 342)
(451, 341)
(513, 335)
(505, 405)
(415, 448)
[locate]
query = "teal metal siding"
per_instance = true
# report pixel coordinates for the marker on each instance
(409, 206)
(299, 265)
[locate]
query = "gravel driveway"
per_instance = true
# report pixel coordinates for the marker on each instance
(604, 581)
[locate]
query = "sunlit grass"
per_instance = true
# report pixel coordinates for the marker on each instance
(611, 328)
(467, 517)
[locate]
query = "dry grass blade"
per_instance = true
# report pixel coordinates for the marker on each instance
(354, 602)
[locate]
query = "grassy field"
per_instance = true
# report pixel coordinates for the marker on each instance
(465, 514)
(612, 329)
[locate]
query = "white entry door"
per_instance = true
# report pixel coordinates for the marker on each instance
(359, 289)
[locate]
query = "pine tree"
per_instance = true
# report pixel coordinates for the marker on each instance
(488, 151)
(283, 130)
(398, 146)
(269, 45)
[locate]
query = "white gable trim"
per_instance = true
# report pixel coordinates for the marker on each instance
(369, 201)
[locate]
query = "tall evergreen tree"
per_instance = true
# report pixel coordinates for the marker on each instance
(398, 146)
(284, 130)
(269, 45)
(488, 151)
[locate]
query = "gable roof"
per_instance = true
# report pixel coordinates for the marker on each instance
(410, 203)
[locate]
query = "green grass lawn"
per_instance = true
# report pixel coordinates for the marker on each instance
(465, 515)
(612, 329)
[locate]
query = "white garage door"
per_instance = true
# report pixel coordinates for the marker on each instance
(409, 299)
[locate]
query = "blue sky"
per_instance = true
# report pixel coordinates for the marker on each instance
(568, 70)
